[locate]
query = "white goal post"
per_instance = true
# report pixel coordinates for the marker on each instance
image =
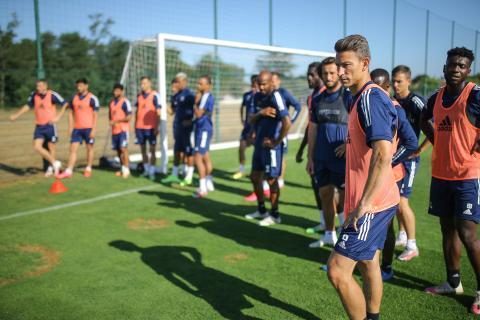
(231, 62)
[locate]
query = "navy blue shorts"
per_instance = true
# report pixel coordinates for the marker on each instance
(268, 160)
(247, 128)
(459, 198)
(411, 168)
(183, 140)
(47, 132)
(370, 237)
(202, 141)
(80, 135)
(142, 136)
(119, 141)
(330, 173)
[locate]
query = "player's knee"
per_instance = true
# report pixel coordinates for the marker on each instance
(273, 184)
(335, 274)
(468, 236)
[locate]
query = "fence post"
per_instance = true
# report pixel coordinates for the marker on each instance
(40, 69)
(216, 83)
(394, 32)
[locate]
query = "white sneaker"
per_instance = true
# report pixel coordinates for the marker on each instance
(49, 172)
(126, 173)
(57, 165)
(401, 242)
(330, 239)
(408, 254)
(256, 215)
(210, 186)
(269, 221)
(316, 244)
(445, 288)
(317, 228)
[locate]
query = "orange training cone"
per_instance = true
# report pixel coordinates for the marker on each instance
(58, 187)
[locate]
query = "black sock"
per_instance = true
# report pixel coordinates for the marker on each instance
(387, 268)
(453, 278)
(274, 213)
(261, 207)
(373, 316)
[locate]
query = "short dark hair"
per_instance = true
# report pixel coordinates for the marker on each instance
(328, 60)
(380, 73)
(145, 77)
(356, 43)
(253, 78)
(316, 65)
(277, 74)
(402, 69)
(207, 77)
(82, 80)
(461, 52)
(42, 80)
(174, 80)
(118, 86)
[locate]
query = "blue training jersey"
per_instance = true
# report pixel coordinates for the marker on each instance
(290, 101)
(182, 104)
(207, 103)
(407, 139)
(247, 103)
(413, 105)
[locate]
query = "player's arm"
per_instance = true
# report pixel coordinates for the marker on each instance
(96, 106)
(296, 106)
(58, 100)
(70, 120)
(303, 144)
(408, 141)
(158, 111)
(62, 112)
(199, 108)
(286, 123)
(311, 142)
(21, 111)
(426, 120)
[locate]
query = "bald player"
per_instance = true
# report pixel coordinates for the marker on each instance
(455, 187)
(407, 143)
(371, 193)
(272, 122)
(43, 101)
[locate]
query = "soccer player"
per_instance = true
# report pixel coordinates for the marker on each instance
(182, 104)
(245, 113)
(203, 135)
(120, 115)
(407, 144)
(147, 118)
(316, 84)
(412, 104)
(272, 122)
(43, 101)
(291, 102)
(371, 193)
(455, 188)
(82, 123)
(327, 133)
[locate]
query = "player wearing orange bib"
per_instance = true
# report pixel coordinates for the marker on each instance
(371, 193)
(120, 113)
(147, 118)
(82, 123)
(43, 101)
(455, 186)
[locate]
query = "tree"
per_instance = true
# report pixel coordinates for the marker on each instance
(6, 43)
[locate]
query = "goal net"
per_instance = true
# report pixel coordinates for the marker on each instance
(229, 64)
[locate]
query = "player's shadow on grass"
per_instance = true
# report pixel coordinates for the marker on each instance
(19, 171)
(183, 267)
(224, 222)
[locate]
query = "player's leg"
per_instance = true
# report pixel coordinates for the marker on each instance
(372, 284)
(340, 274)
(256, 177)
(178, 150)
(318, 201)
(281, 179)
(90, 156)
(189, 142)
(152, 140)
(241, 158)
(327, 194)
(202, 175)
(387, 253)
(163, 146)
(38, 146)
(408, 218)
(209, 169)
(273, 169)
(72, 159)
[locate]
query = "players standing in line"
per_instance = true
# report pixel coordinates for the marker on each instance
(147, 118)
(182, 104)
(43, 101)
(371, 193)
(203, 129)
(245, 113)
(327, 133)
(82, 124)
(272, 122)
(316, 84)
(291, 102)
(455, 186)
(406, 145)
(413, 105)
(120, 114)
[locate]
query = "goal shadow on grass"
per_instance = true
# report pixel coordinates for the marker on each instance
(224, 221)
(28, 171)
(183, 267)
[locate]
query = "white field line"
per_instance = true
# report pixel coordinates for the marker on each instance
(220, 146)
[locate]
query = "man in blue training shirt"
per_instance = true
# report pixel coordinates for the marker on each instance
(204, 104)
(182, 105)
(413, 105)
(290, 101)
(272, 123)
(245, 112)
(326, 146)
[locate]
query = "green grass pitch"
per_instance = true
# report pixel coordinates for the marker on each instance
(154, 252)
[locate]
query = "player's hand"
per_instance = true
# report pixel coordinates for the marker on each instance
(155, 131)
(310, 168)
(353, 217)
(268, 143)
(187, 123)
(113, 122)
(269, 112)
(13, 117)
(476, 147)
(415, 154)
(92, 134)
(299, 156)
(340, 150)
